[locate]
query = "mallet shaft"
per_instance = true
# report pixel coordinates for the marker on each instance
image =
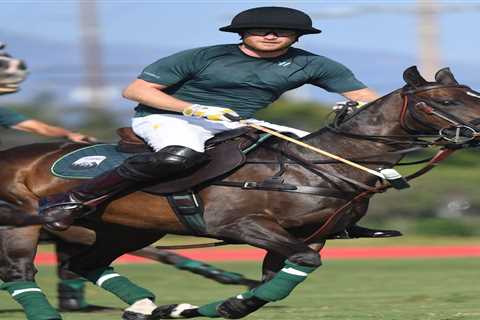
(325, 153)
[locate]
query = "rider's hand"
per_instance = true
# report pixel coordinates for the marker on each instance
(80, 138)
(208, 112)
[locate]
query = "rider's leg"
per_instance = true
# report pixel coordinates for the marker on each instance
(179, 143)
(169, 163)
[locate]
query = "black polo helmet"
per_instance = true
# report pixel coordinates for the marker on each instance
(271, 18)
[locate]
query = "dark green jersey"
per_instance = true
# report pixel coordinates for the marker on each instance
(224, 76)
(10, 118)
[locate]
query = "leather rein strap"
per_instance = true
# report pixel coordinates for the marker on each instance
(328, 226)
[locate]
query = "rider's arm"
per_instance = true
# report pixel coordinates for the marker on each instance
(149, 88)
(364, 95)
(152, 95)
(44, 129)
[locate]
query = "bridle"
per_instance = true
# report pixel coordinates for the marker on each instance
(458, 131)
(411, 104)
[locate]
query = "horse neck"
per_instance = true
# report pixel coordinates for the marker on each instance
(381, 118)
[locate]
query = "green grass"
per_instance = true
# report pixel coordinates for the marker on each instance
(436, 289)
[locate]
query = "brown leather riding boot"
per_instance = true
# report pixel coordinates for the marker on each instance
(169, 163)
(82, 200)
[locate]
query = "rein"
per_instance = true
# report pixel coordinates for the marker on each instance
(327, 227)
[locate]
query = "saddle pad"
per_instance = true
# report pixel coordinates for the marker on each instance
(89, 162)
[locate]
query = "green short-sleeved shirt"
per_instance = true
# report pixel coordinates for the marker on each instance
(9, 118)
(224, 76)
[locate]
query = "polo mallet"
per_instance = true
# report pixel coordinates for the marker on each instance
(391, 175)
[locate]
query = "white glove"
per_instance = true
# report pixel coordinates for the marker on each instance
(208, 112)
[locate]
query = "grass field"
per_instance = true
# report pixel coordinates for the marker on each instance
(432, 289)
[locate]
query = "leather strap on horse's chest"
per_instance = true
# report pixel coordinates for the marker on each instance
(324, 230)
(188, 207)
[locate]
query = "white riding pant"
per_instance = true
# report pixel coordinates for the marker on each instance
(162, 130)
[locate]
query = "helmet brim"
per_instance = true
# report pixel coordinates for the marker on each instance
(240, 28)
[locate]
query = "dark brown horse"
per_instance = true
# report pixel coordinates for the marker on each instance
(324, 200)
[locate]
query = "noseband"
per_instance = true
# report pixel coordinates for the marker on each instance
(458, 132)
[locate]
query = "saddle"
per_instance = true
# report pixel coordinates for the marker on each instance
(224, 150)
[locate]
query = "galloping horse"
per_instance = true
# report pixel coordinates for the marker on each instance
(309, 199)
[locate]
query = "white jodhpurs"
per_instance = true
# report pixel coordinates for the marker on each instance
(162, 130)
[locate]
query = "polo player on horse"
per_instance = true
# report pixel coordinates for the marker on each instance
(12, 73)
(183, 101)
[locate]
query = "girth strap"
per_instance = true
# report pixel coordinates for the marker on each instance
(188, 208)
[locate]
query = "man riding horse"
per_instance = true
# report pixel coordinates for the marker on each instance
(71, 288)
(12, 73)
(184, 99)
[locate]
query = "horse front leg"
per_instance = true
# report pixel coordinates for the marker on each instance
(263, 232)
(273, 262)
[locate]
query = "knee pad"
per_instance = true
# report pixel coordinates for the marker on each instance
(168, 162)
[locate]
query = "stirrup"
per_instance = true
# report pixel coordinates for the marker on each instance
(63, 201)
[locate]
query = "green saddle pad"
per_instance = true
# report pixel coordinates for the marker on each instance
(89, 162)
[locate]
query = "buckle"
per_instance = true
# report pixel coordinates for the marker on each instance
(249, 185)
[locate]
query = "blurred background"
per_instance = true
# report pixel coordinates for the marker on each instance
(81, 54)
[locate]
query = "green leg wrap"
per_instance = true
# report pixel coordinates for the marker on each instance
(210, 310)
(120, 286)
(207, 270)
(32, 300)
(283, 282)
(276, 289)
(73, 289)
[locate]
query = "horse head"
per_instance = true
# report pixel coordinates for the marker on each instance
(443, 107)
(12, 72)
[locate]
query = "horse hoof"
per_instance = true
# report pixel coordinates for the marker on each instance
(235, 308)
(129, 315)
(175, 311)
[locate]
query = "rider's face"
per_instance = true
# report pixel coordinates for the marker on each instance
(269, 40)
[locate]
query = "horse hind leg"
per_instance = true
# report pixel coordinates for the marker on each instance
(17, 251)
(71, 286)
(198, 267)
(93, 264)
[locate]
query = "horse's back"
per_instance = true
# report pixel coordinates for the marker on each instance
(35, 151)
(26, 169)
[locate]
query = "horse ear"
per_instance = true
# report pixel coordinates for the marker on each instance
(445, 76)
(413, 78)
